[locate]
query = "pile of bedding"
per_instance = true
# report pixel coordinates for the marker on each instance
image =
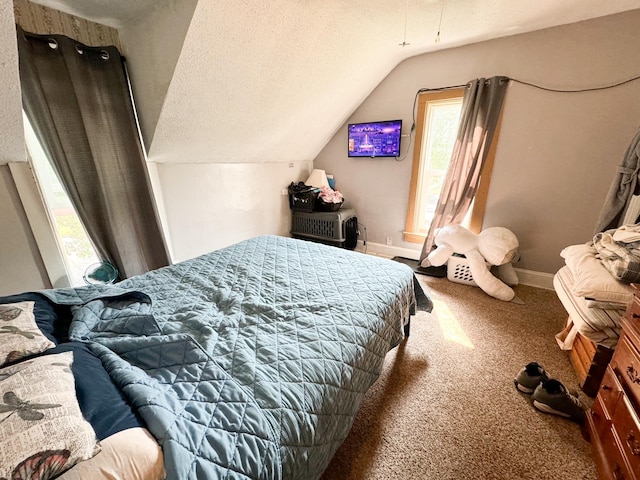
(619, 252)
(594, 285)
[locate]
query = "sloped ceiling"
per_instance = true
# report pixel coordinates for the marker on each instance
(272, 81)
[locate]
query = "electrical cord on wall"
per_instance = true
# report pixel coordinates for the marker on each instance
(522, 82)
(400, 158)
(364, 239)
(578, 90)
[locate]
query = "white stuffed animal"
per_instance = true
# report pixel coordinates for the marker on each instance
(495, 246)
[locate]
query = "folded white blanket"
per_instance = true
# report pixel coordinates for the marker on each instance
(592, 280)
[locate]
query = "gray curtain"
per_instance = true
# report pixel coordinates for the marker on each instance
(78, 101)
(481, 106)
(624, 186)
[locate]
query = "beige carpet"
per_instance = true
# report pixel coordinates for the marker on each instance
(445, 406)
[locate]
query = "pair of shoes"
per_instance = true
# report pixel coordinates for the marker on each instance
(548, 394)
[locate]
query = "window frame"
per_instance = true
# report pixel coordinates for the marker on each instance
(479, 204)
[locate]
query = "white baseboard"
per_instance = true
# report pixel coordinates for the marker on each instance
(525, 277)
(387, 251)
(535, 279)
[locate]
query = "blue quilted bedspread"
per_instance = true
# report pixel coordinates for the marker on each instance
(251, 361)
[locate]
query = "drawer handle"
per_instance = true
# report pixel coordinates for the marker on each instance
(633, 444)
(618, 474)
(633, 375)
(606, 387)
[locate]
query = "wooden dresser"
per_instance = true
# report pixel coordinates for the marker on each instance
(613, 423)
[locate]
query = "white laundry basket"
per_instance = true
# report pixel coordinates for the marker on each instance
(458, 270)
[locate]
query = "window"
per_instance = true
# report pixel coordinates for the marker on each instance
(436, 128)
(437, 123)
(73, 242)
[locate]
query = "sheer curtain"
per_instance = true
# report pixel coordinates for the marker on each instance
(481, 106)
(77, 99)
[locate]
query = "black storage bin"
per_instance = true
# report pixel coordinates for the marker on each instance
(302, 198)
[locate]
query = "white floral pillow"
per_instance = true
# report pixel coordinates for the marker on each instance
(19, 335)
(42, 430)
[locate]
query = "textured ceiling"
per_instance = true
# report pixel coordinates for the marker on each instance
(271, 81)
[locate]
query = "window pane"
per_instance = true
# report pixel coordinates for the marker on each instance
(73, 241)
(441, 121)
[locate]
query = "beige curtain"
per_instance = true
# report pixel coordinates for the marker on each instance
(481, 108)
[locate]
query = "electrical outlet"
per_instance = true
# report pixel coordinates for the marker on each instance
(389, 241)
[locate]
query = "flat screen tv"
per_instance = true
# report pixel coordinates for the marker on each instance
(375, 139)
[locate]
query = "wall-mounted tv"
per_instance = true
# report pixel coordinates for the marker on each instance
(375, 139)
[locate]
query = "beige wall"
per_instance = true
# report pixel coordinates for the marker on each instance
(212, 205)
(21, 267)
(557, 152)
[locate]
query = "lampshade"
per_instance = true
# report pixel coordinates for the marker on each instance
(318, 179)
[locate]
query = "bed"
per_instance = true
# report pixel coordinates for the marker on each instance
(247, 362)
(595, 302)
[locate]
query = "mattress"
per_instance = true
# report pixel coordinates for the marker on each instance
(600, 325)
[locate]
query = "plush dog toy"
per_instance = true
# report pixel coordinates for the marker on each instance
(495, 246)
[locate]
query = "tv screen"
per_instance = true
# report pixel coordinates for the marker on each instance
(375, 139)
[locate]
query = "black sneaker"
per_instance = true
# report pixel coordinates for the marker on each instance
(553, 397)
(530, 377)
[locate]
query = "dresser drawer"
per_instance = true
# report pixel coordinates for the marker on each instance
(626, 363)
(627, 426)
(634, 309)
(606, 401)
(600, 417)
(610, 391)
(616, 463)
